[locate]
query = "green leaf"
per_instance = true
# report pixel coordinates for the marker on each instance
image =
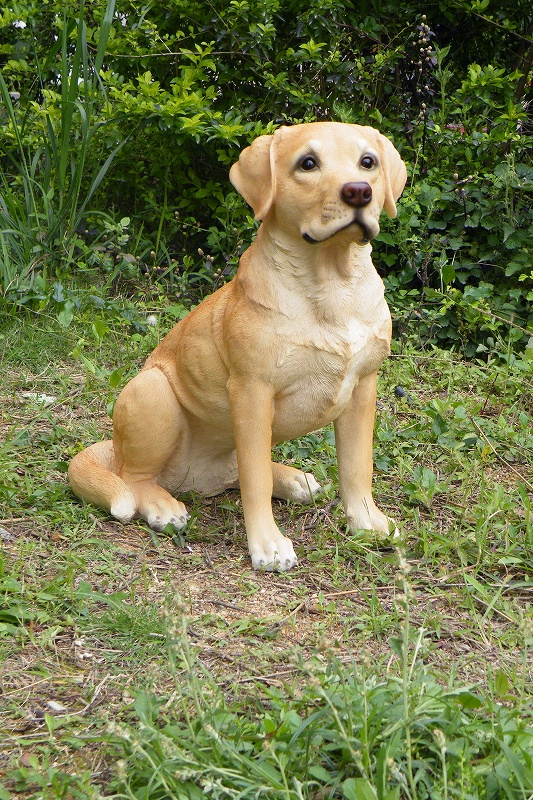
(448, 273)
(501, 683)
(146, 707)
(393, 794)
(469, 700)
(512, 268)
(396, 645)
(99, 329)
(507, 230)
(358, 789)
(116, 377)
(104, 32)
(320, 774)
(270, 773)
(66, 315)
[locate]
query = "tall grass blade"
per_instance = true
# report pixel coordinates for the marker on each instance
(53, 178)
(105, 29)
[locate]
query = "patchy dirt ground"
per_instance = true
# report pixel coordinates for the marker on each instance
(104, 597)
(246, 625)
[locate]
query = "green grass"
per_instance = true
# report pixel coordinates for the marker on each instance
(141, 666)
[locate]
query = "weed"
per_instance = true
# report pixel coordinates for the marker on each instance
(346, 729)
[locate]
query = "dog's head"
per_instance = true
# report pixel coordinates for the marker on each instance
(322, 178)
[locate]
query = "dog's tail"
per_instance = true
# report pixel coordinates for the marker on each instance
(92, 476)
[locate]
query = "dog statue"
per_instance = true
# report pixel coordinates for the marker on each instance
(288, 346)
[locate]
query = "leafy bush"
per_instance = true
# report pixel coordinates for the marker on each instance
(169, 96)
(47, 183)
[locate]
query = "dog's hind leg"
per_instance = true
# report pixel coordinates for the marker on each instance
(149, 426)
(293, 484)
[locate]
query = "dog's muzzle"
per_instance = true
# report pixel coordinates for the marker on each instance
(357, 195)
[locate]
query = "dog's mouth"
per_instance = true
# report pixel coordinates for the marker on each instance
(368, 235)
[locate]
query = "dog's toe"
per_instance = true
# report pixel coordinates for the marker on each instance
(290, 562)
(158, 522)
(310, 485)
(181, 521)
(154, 521)
(274, 556)
(364, 515)
(275, 565)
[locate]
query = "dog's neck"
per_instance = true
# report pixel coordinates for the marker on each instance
(339, 258)
(333, 277)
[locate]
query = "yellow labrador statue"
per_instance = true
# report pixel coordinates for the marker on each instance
(291, 344)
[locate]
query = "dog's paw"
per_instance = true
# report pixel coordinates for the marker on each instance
(273, 554)
(364, 515)
(304, 487)
(123, 506)
(293, 484)
(160, 509)
(159, 518)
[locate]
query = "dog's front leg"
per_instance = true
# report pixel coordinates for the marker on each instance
(252, 409)
(354, 432)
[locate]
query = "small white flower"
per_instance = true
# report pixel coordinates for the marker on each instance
(19, 23)
(151, 319)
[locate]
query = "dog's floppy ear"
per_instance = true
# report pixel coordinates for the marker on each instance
(253, 175)
(394, 172)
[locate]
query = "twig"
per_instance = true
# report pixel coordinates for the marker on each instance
(268, 677)
(28, 686)
(493, 22)
(283, 620)
(96, 693)
(360, 590)
(227, 605)
(492, 608)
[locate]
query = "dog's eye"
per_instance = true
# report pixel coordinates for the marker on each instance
(368, 162)
(308, 164)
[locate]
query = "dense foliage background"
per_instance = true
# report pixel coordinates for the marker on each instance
(120, 122)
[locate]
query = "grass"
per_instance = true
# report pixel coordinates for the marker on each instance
(141, 666)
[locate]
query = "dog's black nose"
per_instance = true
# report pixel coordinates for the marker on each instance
(357, 195)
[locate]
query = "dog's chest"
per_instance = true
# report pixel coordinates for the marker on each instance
(318, 370)
(361, 354)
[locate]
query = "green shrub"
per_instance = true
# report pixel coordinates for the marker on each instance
(46, 182)
(173, 93)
